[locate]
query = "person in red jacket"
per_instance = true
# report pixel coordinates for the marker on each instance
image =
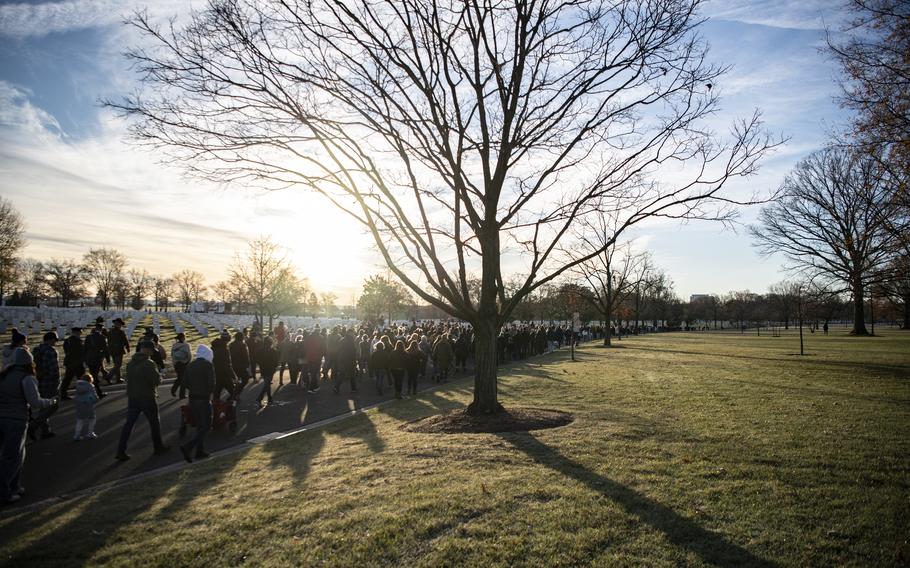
(315, 350)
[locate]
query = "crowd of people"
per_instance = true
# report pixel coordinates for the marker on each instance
(397, 357)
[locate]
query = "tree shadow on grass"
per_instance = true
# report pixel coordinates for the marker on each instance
(83, 536)
(361, 427)
(711, 547)
(895, 371)
(297, 452)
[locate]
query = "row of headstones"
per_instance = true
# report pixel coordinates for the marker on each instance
(36, 321)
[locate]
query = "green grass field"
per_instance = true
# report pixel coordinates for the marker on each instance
(687, 449)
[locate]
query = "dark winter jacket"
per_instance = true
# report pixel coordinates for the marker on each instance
(240, 354)
(142, 378)
(96, 349)
(47, 370)
(199, 378)
(268, 360)
(73, 352)
(117, 342)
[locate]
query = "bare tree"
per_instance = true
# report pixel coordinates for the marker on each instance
(874, 52)
(140, 281)
(121, 292)
(610, 275)
(12, 239)
(267, 278)
(32, 277)
(162, 290)
(105, 268)
(826, 223)
(67, 280)
(232, 292)
(453, 132)
(327, 301)
(190, 286)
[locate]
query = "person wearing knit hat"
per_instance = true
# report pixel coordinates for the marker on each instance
(17, 341)
(199, 379)
(18, 394)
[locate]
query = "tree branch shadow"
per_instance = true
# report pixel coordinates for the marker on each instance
(708, 545)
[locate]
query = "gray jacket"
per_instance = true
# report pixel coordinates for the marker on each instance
(18, 391)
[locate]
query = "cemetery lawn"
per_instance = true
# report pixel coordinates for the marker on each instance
(686, 449)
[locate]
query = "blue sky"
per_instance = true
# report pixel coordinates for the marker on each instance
(65, 162)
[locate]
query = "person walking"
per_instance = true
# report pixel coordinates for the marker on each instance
(96, 353)
(346, 362)
(442, 357)
(364, 350)
(415, 360)
(18, 394)
(379, 365)
(315, 349)
(199, 378)
(224, 372)
(298, 359)
(240, 362)
(142, 381)
(73, 360)
(86, 399)
(268, 362)
(119, 345)
(180, 357)
(47, 371)
(285, 356)
(398, 364)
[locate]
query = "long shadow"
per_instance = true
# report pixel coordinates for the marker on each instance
(710, 546)
(297, 456)
(902, 371)
(362, 427)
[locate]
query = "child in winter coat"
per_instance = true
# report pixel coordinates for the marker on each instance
(85, 408)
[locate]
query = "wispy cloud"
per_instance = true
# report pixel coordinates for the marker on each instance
(35, 20)
(804, 15)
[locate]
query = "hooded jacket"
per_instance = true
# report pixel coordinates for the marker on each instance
(199, 377)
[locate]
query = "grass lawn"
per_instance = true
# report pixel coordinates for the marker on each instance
(687, 449)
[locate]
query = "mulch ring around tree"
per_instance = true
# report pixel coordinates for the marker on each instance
(514, 419)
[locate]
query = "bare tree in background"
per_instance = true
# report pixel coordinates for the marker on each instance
(32, 280)
(67, 280)
(327, 301)
(162, 291)
(139, 283)
(104, 268)
(268, 278)
(12, 239)
(609, 277)
(455, 132)
(827, 223)
(875, 56)
(190, 286)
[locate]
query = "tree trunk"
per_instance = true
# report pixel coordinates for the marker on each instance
(486, 328)
(859, 311)
(486, 392)
(608, 331)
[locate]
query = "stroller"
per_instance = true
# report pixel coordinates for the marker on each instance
(223, 412)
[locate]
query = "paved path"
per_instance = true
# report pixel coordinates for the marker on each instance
(58, 465)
